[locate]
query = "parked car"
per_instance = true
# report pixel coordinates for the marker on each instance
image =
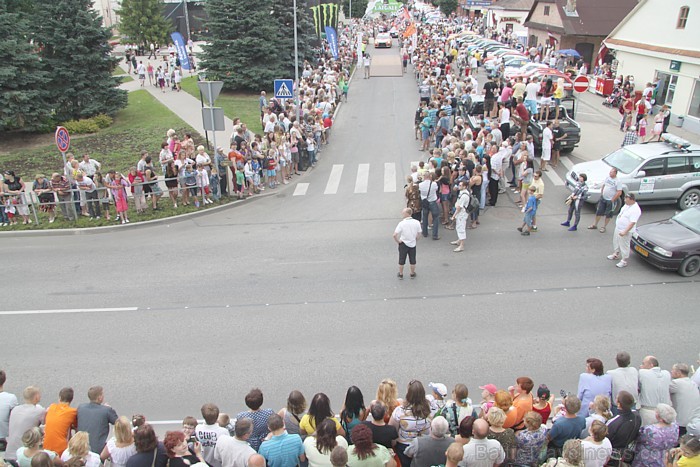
(567, 113)
(383, 40)
(673, 244)
(394, 32)
(524, 71)
(656, 172)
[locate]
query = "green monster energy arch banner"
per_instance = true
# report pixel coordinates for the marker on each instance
(324, 13)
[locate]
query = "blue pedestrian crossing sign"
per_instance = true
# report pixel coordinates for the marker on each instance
(284, 88)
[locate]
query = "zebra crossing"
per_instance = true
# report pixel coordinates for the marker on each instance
(362, 179)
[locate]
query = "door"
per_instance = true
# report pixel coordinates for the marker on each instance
(649, 187)
(586, 51)
(678, 173)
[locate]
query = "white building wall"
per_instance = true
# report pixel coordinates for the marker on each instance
(517, 25)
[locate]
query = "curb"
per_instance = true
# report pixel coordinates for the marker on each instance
(134, 226)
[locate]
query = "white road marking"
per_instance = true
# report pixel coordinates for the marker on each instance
(300, 189)
(67, 310)
(362, 178)
(567, 163)
(334, 179)
(553, 177)
(389, 177)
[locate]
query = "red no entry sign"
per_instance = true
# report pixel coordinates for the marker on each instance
(581, 83)
(62, 139)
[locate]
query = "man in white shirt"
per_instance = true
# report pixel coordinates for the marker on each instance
(482, 452)
(625, 225)
(428, 197)
(624, 378)
(366, 62)
(89, 166)
(209, 432)
(495, 176)
(685, 396)
(235, 452)
(531, 90)
(22, 418)
(654, 388)
(8, 401)
(406, 235)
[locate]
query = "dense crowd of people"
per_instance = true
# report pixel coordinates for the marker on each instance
(289, 139)
(646, 417)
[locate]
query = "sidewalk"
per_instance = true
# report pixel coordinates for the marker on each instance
(595, 102)
(182, 104)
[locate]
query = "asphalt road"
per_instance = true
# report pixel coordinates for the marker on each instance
(298, 290)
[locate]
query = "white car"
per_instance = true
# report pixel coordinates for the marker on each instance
(383, 40)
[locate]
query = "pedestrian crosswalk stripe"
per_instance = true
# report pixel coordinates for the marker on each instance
(334, 179)
(567, 163)
(553, 177)
(283, 91)
(362, 178)
(300, 189)
(389, 177)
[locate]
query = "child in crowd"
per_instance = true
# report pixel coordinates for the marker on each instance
(102, 193)
(224, 421)
(10, 210)
(487, 396)
(139, 195)
(255, 165)
(249, 175)
(189, 176)
(240, 183)
(214, 184)
(203, 184)
(118, 186)
(530, 212)
(272, 167)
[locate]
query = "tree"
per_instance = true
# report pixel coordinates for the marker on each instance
(23, 100)
(358, 8)
(252, 43)
(448, 6)
(75, 51)
(143, 21)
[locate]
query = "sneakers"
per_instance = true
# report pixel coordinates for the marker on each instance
(613, 257)
(573, 228)
(519, 229)
(457, 250)
(534, 228)
(525, 233)
(565, 224)
(622, 264)
(399, 275)
(456, 242)
(413, 275)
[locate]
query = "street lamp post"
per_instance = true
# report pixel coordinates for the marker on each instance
(296, 65)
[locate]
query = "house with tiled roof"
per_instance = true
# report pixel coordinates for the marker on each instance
(508, 16)
(570, 24)
(659, 42)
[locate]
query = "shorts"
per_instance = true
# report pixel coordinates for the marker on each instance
(604, 208)
(207, 190)
(557, 101)
(425, 132)
(406, 251)
(295, 157)
(445, 196)
(546, 153)
(528, 219)
(271, 173)
(425, 99)
(142, 76)
(488, 105)
(531, 106)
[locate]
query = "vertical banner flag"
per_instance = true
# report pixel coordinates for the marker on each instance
(325, 13)
(359, 49)
(332, 39)
(181, 50)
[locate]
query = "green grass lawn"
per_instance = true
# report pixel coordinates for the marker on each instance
(243, 106)
(140, 126)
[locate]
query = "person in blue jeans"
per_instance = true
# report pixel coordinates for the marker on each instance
(429, 204)
(530, 212)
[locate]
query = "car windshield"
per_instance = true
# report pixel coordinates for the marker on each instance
(623, 160)
(690, 219)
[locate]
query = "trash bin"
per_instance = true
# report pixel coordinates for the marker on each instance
(679, 121)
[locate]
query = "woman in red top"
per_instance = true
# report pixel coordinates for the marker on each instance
(542, 404)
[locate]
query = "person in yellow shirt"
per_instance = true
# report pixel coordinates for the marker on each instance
(688, 455)
(319, 410)
(61, 418)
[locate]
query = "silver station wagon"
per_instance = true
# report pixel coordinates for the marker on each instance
(656, 172)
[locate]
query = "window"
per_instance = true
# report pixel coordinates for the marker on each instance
(682, 17)
(677, 165)
(546, 13)
(695, 164)
(666, 88)
(654, 168)
(694, 108)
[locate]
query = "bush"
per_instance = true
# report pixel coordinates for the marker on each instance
(102, 120)
(78, 127)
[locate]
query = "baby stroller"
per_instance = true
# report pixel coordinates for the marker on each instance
(614, 99)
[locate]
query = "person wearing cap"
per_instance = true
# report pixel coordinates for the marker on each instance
(625, 225)
(487, 395)
(437, 398)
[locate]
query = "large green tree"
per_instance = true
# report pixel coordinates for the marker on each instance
(75, 50)
(252, 42)
(143, 21)
(23, 100)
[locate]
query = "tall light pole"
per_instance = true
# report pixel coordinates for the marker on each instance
(296, 65)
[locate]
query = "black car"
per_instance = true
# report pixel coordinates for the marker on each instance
(673, 244)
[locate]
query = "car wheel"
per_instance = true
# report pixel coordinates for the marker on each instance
(690, 266)
(689, 199)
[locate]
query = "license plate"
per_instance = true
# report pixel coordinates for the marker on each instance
(641, 251)
(563, 143)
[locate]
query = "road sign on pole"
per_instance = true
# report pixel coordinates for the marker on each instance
(213, 119)
(581, 83)
(284, 88)
(62, 139)
(210, 90)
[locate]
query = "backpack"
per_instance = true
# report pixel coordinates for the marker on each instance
(473, 204)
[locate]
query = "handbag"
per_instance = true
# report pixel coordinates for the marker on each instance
(569, 200)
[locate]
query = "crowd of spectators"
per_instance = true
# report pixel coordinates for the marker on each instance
(644, 417)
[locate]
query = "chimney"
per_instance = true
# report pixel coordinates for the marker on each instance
(571, 6)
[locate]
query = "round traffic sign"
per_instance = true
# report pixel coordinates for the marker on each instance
(62, 139)
(581, 83)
